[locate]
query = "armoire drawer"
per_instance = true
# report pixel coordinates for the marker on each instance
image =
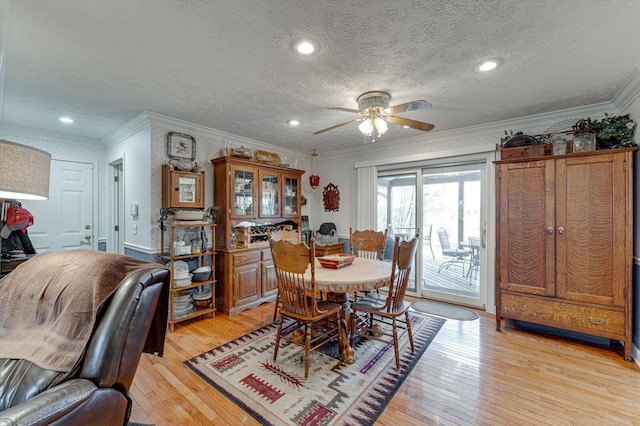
(546, 311)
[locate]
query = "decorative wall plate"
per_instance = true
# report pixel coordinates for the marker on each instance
(181, 146)
(331, 198)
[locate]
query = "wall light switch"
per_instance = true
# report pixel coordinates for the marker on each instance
(135, 229)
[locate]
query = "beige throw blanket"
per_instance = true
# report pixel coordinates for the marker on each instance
(48, 304)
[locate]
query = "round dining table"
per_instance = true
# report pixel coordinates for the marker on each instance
(337, 284)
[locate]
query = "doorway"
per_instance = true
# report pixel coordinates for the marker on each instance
(116, 210)
(65, 220)
(448, 204)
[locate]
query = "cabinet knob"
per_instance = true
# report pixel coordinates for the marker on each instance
(550, 230)
(560, 230)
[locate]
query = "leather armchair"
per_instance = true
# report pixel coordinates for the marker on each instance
(96, 392)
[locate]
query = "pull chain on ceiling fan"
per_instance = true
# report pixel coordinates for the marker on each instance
(373, 107)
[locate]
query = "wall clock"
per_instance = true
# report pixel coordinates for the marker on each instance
(181, 146)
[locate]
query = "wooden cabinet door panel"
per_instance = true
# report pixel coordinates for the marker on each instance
(269, 280)
(246, 282)
(525, 247)
(591, 229)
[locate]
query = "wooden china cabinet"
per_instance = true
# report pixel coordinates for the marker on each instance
(564, 242)
(250, 196)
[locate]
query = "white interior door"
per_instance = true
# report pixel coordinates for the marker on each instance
(65, 220)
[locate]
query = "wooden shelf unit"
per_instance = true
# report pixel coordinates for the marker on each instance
(168, 254)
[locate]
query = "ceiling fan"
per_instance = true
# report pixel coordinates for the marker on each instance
(375, 113)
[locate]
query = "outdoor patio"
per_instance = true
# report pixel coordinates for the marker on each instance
(452, 279)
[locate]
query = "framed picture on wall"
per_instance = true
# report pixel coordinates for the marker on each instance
(181, 147)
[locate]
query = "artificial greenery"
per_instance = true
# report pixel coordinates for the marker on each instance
(510, 134)
(618, 128)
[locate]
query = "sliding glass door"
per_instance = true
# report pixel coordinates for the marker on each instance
(397, 205)
(446, 204)
(452, 212)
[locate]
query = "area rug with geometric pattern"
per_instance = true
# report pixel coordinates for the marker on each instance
(335, 393)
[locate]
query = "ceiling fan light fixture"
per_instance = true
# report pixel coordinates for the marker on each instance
(366, 127)
(380, 125)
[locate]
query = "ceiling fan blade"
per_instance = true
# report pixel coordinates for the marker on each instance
(409, 106)
(344, 109)
(425, 127)
(336, 126)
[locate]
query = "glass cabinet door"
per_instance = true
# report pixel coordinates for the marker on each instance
(243, 182)
(291, 196)
(269, 194)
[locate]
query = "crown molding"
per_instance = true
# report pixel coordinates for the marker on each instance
(131, 127)
(147, 118)
(629, 93)
(48, 135)
(496, 128)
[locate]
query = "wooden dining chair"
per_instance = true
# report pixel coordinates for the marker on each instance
(368, 244)
(381, 322)
(319, 320)
(287, 235)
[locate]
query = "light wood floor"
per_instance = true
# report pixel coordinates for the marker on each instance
(469, 375)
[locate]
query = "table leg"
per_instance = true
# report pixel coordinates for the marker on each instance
(346, 351)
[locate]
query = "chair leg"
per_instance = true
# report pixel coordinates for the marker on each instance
(307, 349)
(275, 309)
(395, 344)
(352, 326)
(275, 350)
(413, 349)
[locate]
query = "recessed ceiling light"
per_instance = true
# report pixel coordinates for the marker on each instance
(487, 65)
(293, 122)
(66, 120)
(306, 47)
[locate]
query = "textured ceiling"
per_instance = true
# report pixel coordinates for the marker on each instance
(228, 65)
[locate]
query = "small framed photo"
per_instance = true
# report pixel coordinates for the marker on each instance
(181, 147)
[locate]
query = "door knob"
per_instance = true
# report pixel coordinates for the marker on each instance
(87, 237)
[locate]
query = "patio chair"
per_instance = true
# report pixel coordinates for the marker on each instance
(455, 255)
(427, 239)
(319, 320)
(474, 258)
(381, 322)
